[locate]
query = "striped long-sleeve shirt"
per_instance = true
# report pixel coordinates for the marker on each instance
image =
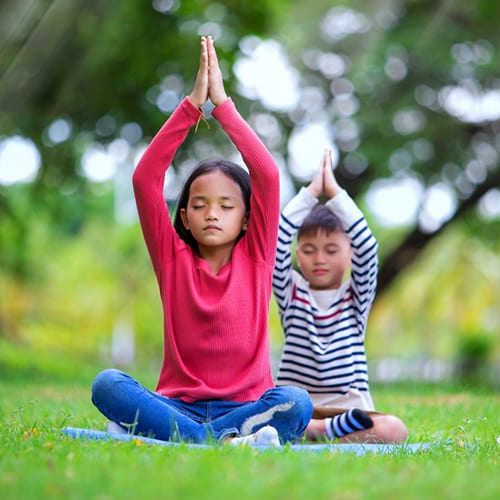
(324, 350)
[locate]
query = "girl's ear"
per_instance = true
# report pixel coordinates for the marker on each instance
(245, 222)
(184, 218)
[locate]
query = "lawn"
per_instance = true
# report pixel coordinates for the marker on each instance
(462, 424)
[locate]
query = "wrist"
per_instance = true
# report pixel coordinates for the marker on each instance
(195, 102)
(331, 193)
(315, 193)
(219, 100)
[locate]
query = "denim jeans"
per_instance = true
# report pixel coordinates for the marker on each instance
(123, 400)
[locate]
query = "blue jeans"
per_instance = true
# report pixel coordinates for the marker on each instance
(123, 400)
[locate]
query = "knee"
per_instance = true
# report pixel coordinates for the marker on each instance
(104, 382)
(301, 399)
(390, 429)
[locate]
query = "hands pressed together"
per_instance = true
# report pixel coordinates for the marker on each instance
(324, 181)
(209, 82)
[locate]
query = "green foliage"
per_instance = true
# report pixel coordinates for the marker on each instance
(68, 273)
(79, 288)
(447, 296)
(477, 347)
(474, 354)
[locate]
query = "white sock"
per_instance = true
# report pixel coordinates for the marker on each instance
(114, 427)
(267, 436)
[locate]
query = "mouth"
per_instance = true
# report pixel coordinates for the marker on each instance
(320, 272)
(211, 228)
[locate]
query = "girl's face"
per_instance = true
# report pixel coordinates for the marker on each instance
(215, 213)
(324, 259)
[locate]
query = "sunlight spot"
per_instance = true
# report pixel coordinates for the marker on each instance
(306, 146)
(395, 202)
(355, 163)
(346, 105)
(119, 149)
(347, 134)
(489, 204)
(105, 126)
(408, 121)
(440, 203)
(59, 131)
(264, 73)
(332, 65)
(131, 132)
(98, 165)
(395, 68)
(471, 104)
(165, 6)
(210, 28)
(340, 22)
(422, 149)
(472, 53)
(19, 160)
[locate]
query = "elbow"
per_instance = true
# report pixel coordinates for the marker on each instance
(138, 179)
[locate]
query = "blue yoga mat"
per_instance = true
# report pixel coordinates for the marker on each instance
(356, 448)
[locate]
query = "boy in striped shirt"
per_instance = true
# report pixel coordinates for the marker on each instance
(324, 313)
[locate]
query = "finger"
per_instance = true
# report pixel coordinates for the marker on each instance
(199, 94)
(213, 59)
(323, 176)
(203, 54)
(328, 158)
(321, 163)
(212, 54)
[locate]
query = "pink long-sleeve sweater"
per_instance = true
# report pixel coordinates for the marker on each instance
(216, 342)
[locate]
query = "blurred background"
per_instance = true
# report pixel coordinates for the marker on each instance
(406, 94)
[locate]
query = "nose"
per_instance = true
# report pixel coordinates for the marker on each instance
(211, 216)
(319, 257)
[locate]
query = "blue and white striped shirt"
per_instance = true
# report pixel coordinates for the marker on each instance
(324, 350)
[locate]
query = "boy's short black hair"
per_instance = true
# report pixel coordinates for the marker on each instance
(320, 218)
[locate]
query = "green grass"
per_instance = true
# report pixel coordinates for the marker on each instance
(36, 462)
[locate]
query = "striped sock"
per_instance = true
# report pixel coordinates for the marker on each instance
(351, 421)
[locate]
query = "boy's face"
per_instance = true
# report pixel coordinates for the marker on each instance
(324, 258)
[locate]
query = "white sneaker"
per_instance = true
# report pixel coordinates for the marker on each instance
(265, 437)
(115, 428)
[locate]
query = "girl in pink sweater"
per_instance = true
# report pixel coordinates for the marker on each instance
(214, 267)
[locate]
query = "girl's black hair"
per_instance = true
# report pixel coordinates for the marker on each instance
(320, 218)
(228, 168)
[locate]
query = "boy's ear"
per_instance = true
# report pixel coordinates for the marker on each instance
(184, 218)
(297, 261)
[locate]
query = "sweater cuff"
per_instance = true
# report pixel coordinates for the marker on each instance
(224, 109)
(190, 109)
(343, 206)
(299, 206)
(305, 197)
